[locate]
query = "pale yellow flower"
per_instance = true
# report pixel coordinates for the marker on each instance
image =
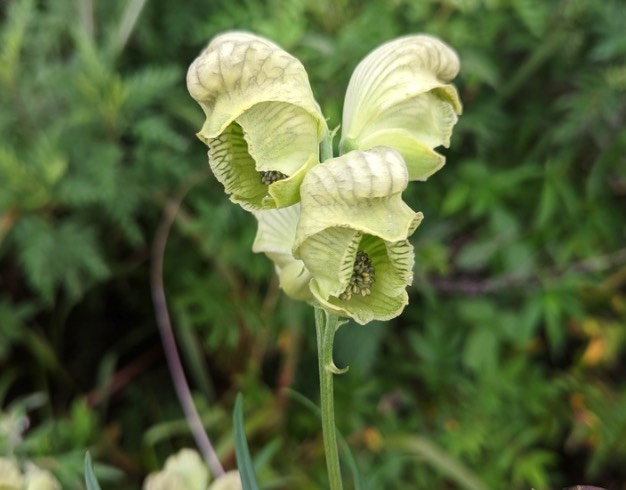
(353, 232)
(399, 96)
(263, 126)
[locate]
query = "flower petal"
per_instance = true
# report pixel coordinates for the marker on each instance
(279, 136)
(330, 258)
(421, 160)
(362, 190)
(401, 88)
(260, 117)
(351, 205)
(238, 70)
(393, 263)
(234, 167)
(275, 235)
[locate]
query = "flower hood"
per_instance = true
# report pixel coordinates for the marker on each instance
(263, 126)
(399, 96)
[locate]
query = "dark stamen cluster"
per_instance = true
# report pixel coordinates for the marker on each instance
(271, 176)
(363, 277)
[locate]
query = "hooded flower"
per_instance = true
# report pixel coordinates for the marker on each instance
(399, 96)
(352, 234)
(263, 126)
(276, 233)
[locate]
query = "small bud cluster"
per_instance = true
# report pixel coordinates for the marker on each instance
(363, 277)
(271, 176)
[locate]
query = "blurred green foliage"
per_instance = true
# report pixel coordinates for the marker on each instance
(506, 370)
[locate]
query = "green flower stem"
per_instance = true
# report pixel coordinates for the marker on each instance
(326, 325)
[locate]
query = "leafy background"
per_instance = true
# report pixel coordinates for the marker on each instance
(506, 370)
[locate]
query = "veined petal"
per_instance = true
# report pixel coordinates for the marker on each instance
(279, 136)
(238, 70)
(402, 88)
(230, 480)
(352, 234)
(233, 164)
(426, 117)
(330, 258)
(362, 190)
(261, 118)
(275, 236)
(393, 263)
(234, 167)
(421, 160)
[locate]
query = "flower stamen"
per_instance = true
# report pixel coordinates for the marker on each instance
(271, 176)
(363, 277)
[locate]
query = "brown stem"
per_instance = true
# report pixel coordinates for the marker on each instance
(167, 335)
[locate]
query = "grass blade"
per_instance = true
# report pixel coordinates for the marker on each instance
(244, 462)
(90, 478)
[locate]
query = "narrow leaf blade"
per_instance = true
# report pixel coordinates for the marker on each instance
(244, 461)
(90, 477)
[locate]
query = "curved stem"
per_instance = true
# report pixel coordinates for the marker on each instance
(325, 327)
(169, 342)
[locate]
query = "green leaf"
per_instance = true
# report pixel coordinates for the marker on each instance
(481, 350)
(54, 255)
(90, 478)
(553, 317)
(244, 462)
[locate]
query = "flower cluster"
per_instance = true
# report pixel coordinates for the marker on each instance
(337, 230)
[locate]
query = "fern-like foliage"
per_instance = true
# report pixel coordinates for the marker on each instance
(509, 356)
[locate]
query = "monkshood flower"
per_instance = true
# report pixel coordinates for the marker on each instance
(352, 234)
(263, 126)
(399, 96)
(275, 236)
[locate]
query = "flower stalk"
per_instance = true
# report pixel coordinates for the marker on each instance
(326, 324)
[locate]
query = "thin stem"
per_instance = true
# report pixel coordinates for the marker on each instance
(325, 327)
(167, 336)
